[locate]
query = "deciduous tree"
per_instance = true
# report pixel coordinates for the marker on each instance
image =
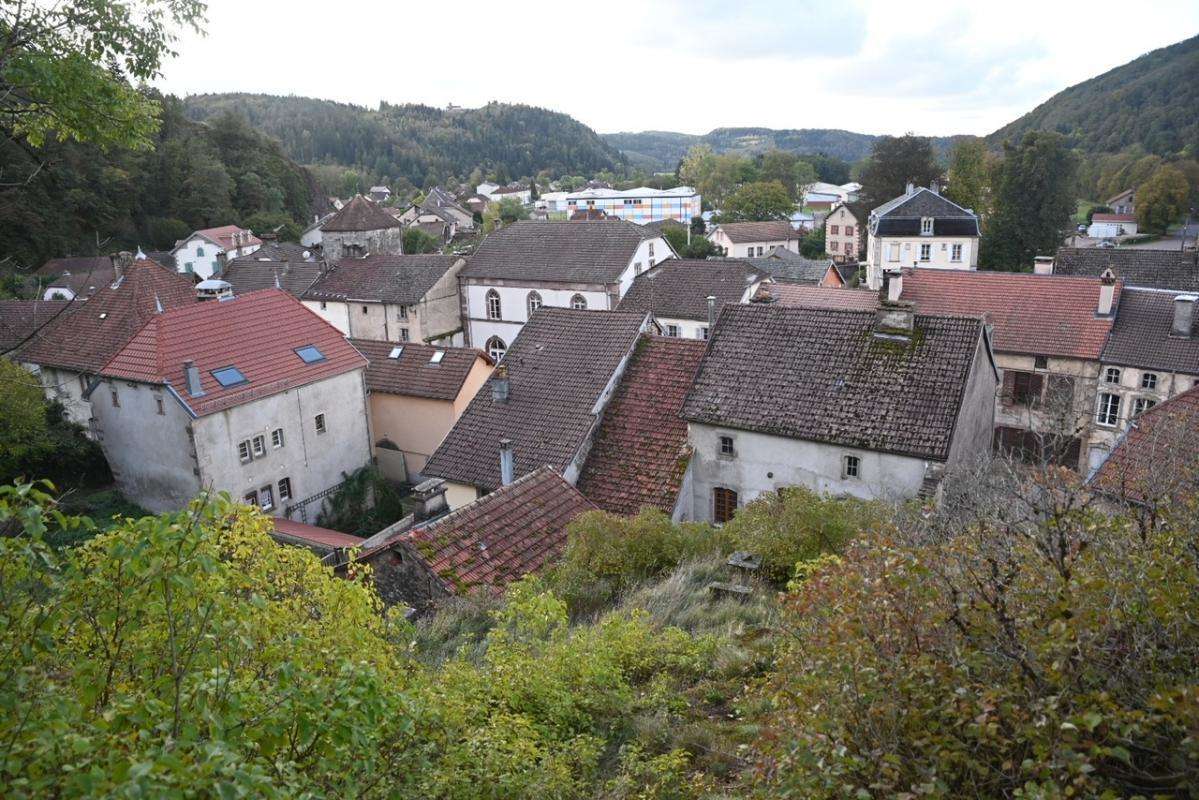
(758, 202)
(969, 175)
(1162, 200)
(895, 161)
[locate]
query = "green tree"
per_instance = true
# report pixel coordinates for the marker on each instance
(894, 162)
(788, 169)
(504, 212)
(758, 202)
(700, 246)
(812, 245)
(969, 175)
(715, 177)
(417, 241)
(67, 69)
(1162, 200)
(1034, 201)
(23, 429)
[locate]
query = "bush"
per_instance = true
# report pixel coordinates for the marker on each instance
(364, 504)
(417, 241)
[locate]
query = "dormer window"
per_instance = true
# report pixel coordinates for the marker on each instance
(926, 226)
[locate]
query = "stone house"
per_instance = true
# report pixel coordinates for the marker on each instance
(529, 265)
(393, 298)
(1123, 203)
(870, 404)
(253, 395)
(920, 229)
(361, 228)
(750, 239)
(276, 265)
(205, 253)
(417, 393)
(74, 276)
(843, 234)
(684, 295)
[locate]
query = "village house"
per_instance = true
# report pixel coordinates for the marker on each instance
(843, 234)
(1154, 269)
(311, 236)
(521, 194)
(1151, 355)
(442, 200)
(393, 298)
(786, 266)
(417, 393)
(478, 548)
(73, 276)
(205, 253)
(361, 228)
(71, 349)
(640, 205)
(920, 229)
(870, 404)
(1123, 203)
(269, 404)
(380, 194)
(542, 404)
(527, 265)
(684, 295)
(1111, 226)
(280, 265)
(438, 223)
(751, 239)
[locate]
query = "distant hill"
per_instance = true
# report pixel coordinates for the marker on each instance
(420, 142)
(1152, 101)
(661, 150)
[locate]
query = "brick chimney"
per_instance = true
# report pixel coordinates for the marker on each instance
(1184, 315)
(1107, 293)
(499, 384)
(507, 462)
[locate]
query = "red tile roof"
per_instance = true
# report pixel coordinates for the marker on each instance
(640, 452)
(1113, 218)
(223, 236)
(800, 296)
(413, 372)
(501, 537)
(1156, 457)
(1050, 315)
(257, 333)
(311, 534)
(20, 318)
(89, 333)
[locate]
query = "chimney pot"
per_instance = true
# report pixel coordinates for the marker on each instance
(1107, 293)
(507, 462)
(711, 313)
(892, 288)
(1042, 265)
(429, 496)
(193, 379)
(935, 187)
(910, 189)
(1184, 315)
(499, 384)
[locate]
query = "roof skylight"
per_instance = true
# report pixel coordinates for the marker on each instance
(310, 354)
(229, 376)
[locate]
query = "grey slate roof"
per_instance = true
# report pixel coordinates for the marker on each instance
(1140, 336)
(1157, 269)
(679, 288)
(784, 265)
(381, 278)
(821, 375)
(901, 216)
(560, 362)
(282, 260)
(564, 252)
(360, 214)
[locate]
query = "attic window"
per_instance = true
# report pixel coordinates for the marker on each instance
(103, 315)
(310, 354)
(229, 376)
(396, 352)
(436, 357)
(926, 226)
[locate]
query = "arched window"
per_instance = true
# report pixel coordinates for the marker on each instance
(578, 302)
(496, 348)
(534, 302)
(493, 304)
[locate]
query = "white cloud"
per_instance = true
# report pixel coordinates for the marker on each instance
(870, 66)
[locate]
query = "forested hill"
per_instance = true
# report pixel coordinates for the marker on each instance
(87, 201)
(421, 144)
(661, 150)
(1152, 102)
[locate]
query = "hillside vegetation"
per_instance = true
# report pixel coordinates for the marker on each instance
(418, 143)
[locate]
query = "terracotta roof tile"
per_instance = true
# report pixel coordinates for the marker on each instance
(223, 236)
(640, 451)
(798, 296)
(312, 534)
(20, 318)
(1156, 456)
(679, 287)
(257, 333)
(413, 372)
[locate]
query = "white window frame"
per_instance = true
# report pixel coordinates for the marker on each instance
(284, 489)
(258, 445)
(496, 348)
(578, 302)
(1107, 410)
(851, 467)
(926, 226)
(955, 254)
(533, 302)
(494, 307)
(266, 498)
(277, 439)
(926, 252)
(726, 446)
(672, 330)
(893, 251)
(244, 454)
(1142, 404)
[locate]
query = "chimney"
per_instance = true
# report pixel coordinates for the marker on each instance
(935, 187)
(1042, 265)
(499, 384)
(892, 288)
(193, 379)
(429, 497)
(711, 313)
(1184, 315)
(911, 188)
(507, 462)
(895, 321)
(1107, 293)
(120, 261)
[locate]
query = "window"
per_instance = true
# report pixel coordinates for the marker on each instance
(437, 357)
(200, 252)
(637, 267)
(848, 230)
(161, 410)
(760, 249)
(849, 247)
(926, 226)
(324, 305)
(243, 451)
(834, 229)
(651, 250)
(893, 252)
(578, 302)
(310, 354)
(925, 252)
(189, 268)
(116, 401)
(727, 448)
(1026, 388)
(402, 313)
(1111, 375)
(495, 348)
(1149, 380)
(851, 467)
(534, 302)
(284, 489)
(251, 498)
(956, 253)
(724, 504)
(403, 334)
(229, 376)
(258, 444)
(1142, 404)
(396, 352)
(365, 310)
(493, 304)
(672, 330)
(703, 332)
(1040, 362)
(267, 498)
(1109, 409)
(319, 421)
(277, 438)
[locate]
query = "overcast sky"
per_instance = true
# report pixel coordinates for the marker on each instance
(683, 65)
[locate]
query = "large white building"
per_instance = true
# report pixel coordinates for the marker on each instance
(640, 205)
(920, 228)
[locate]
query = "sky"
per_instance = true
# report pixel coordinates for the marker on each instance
(934, 68)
